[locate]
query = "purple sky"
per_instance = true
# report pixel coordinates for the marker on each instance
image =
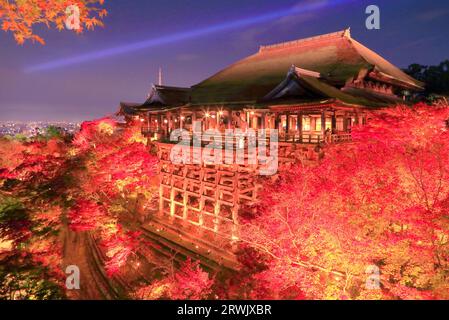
(191, 40)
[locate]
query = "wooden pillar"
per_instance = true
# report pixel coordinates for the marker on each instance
(276, 121)
(334, 123)
(229, 125)
(323, 123)
(204, 122)
(345, 122)
(287, 123)
(181, 120)
(263, 121)
(159, 122)
(299, 122)
(299, 126)
(356, 117)
(161, 198)
(168, 117)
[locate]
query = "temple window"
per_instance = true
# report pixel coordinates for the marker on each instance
(306, 124)
(340, 124)
(328, 123)
(317, 124)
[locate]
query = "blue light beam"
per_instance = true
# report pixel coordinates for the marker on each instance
(181, 36)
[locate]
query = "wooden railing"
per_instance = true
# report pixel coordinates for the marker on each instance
(304, 138)
(341, 138)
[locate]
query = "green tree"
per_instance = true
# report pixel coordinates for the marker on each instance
(436, 78)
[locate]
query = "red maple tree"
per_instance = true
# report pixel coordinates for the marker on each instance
(117, 169)
(381, 202)
(20, 16)
(190, 282)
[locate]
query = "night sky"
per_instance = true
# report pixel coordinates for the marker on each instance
(191, 40)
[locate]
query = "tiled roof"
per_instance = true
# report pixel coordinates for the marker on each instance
(336, 56)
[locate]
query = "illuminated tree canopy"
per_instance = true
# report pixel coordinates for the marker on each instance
(20, 17)
(368, 221)
(381, 202)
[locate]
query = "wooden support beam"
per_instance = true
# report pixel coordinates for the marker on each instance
(334, 123)
(263, 121)
(323, 123)
(345, 122)
(229, 125)
(276, 121)
(181, 121)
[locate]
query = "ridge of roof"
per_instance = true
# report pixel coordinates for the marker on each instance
(163, 87)
(293, 43)
(383, 65)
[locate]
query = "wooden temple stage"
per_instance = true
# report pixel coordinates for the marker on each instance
(311, 91)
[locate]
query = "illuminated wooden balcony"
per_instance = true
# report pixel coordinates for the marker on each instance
(207, 138)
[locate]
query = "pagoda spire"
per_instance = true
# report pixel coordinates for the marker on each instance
(160, 76)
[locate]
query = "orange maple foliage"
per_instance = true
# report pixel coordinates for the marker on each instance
(20, 16)
(371, 212)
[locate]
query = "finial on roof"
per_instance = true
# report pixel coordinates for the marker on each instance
(347, 32)
(160, 76)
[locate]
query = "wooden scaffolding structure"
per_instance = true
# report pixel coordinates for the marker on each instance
(204, 195)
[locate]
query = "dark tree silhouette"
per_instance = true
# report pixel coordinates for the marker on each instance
(436, 78)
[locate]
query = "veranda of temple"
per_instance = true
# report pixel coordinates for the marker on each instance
(313, 91)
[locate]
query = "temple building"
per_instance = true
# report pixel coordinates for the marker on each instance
(312, 91)
(304, 88)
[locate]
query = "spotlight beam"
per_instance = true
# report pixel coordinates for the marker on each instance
(181, 36)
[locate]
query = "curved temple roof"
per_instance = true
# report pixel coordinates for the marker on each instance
(336, 56)
(159, 97)
(324, 64)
